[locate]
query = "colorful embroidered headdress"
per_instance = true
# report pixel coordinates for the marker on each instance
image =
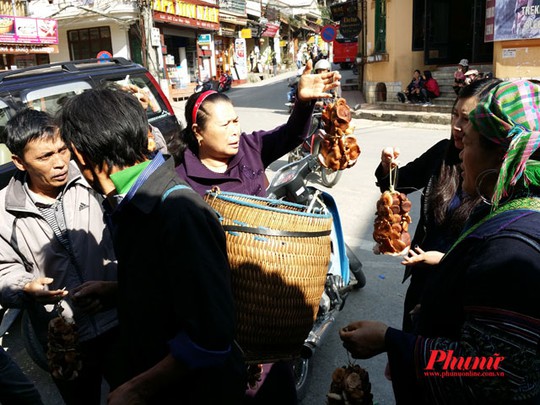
(510, 116)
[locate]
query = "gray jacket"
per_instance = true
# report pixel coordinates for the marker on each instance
(29, 249)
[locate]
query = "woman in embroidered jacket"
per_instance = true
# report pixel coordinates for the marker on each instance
(480, 319)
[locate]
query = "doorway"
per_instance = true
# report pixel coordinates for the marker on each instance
(453, 30)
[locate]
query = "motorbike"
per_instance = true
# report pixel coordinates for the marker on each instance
(203, 85)
(225, 82)
(291, 93)
(345, 269)
(311, 146)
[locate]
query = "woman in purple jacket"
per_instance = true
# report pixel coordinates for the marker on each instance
(216, 153)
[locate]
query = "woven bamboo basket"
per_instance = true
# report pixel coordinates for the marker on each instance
(279, 257)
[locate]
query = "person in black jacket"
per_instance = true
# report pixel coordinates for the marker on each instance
(175, 304)
(444, 209)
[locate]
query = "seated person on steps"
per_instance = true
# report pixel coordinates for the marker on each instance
(430, 89)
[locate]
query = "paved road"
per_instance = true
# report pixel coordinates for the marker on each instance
(261, 106)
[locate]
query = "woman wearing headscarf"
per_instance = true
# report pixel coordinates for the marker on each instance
(444, 207)
(479, 323)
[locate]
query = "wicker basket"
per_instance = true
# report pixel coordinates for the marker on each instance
(279, 257)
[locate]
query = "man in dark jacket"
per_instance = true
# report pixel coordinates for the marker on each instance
(174, 299)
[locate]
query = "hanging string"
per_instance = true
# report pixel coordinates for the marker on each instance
(393, 176)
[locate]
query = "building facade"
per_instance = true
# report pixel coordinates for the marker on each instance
(398, 37)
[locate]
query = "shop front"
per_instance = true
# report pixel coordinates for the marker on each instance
(188, 29)
(229, 59)
(26, 41)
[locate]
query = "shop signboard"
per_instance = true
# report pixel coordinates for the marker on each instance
(239, 70)
(271, 30)
(245, 33)
(187, 9)
(24, 30)
(340, 10)
(510, 20)
(15, 49)
(155, 36)
(350, 26)
(204, 39)
(233, 6)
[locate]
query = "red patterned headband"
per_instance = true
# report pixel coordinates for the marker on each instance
(198, 103)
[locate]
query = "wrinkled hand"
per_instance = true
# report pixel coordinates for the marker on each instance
(38, 291)
(126, 394)
(313, 87)
(417, 255)
(389, 157)
(95, 296)
(364, 339)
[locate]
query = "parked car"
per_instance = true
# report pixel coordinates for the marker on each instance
(46, 87)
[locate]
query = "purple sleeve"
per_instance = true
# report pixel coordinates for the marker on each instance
(283, 139)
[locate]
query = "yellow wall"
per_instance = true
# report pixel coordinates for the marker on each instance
(402, 60)
(517, 59)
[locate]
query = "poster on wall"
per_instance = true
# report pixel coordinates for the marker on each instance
(239, 70)
(512, 19)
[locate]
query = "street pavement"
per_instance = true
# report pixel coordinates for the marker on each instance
(261, 106)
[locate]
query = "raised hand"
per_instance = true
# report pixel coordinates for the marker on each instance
(313, 87)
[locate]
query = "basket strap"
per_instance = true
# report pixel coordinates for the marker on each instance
(274, 232)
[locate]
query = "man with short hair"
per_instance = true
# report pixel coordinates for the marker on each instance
(175, 304)
(55, 251)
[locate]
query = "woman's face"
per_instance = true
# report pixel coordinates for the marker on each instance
(476, 160)
(460, 118)
(220, 139)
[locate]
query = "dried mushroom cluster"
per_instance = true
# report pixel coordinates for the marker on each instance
(339, 149)
(350, 385)
(391, 228)
(62, 354)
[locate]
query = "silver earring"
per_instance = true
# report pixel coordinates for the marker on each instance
(480, 180)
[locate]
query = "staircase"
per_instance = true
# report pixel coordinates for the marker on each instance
(437, 113)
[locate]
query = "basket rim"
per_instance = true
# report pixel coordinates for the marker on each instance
(228, 197)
